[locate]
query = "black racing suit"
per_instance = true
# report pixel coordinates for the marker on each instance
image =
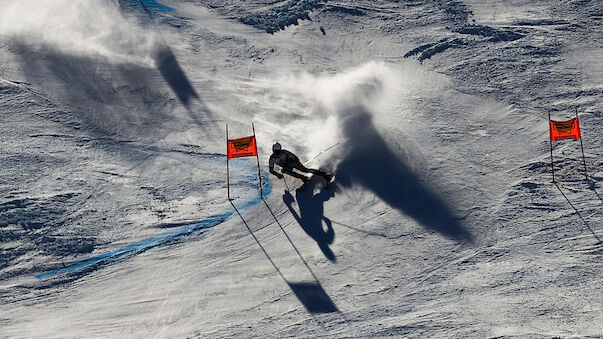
(288, 162)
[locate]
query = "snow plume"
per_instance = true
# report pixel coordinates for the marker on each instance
(333, 98)
(305, 111)
(93, 28)
(353, 110)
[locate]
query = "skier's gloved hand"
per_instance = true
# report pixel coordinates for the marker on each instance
(280, 176)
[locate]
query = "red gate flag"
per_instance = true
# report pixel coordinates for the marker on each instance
(242, 147)
(561, 130)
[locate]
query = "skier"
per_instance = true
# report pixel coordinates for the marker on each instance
(288, 162)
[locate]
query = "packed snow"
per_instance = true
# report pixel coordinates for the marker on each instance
(442, 219)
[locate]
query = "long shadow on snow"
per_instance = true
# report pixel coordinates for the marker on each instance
(370, 163)
(311, 214)
(80, 268)
(311, 294)
(114, 99)
(174, 76)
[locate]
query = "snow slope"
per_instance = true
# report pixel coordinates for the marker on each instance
(442, 220)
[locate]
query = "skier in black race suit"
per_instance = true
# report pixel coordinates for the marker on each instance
(288, 162)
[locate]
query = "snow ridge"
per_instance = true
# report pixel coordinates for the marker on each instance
(270, 16)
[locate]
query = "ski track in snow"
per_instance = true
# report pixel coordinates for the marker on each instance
(77, 269)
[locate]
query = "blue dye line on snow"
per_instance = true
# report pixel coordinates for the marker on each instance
(158, 240)
(154, 5)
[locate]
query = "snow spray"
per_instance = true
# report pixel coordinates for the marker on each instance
(78, 27)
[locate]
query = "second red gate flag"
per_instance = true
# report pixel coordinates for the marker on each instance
(242, 147)
(569, 129)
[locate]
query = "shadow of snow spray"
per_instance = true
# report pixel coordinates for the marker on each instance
(308, 113)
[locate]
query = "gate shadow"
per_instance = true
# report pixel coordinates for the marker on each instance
(311, 214)
(311, 294)
(578, 212)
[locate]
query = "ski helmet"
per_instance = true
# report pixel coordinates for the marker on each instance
(276, 147)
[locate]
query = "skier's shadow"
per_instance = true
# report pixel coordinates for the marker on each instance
(311, 214)
(370, 163)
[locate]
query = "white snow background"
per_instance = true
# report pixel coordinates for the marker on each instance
(442, 220)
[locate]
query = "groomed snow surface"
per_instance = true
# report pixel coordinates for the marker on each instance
(442, 220)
